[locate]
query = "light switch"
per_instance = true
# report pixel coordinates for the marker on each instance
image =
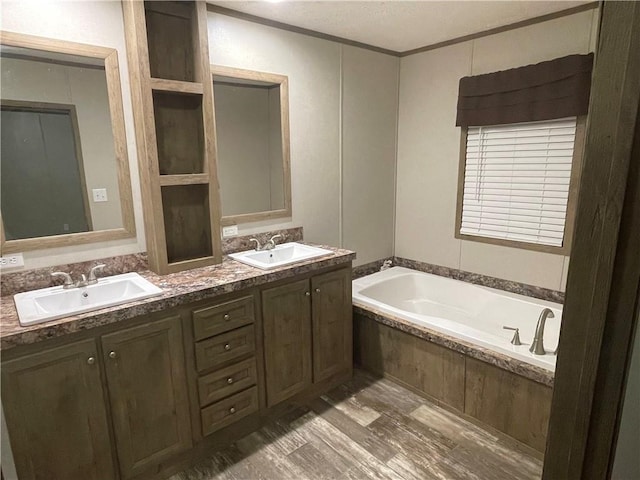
(99, 194)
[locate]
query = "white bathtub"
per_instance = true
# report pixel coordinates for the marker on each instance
(471, 313)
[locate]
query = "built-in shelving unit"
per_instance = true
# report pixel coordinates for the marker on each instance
(173, 107)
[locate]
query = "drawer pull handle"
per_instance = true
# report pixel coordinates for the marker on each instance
(230, 380)
(112, 354)
(226, 316)
(317, 290)
(307, 293)
(91, 360)
(232, 410)
(227, 346)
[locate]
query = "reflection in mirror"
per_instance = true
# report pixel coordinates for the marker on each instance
(64, 172)
(252, 131)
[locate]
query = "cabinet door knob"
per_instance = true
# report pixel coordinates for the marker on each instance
(91, 360)
(112, 354)
(317, 290)
(230, 380)
(307, 293)
(226, 316)
(232, 410)
(227, 346)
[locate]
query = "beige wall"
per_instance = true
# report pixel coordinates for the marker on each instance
(97, 23)
(336, 201)
(342, 121)
(369, 121)
(313, 68)
(86, 88)
(429, 147)
(345, 112)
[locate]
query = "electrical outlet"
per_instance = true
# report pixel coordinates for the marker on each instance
(230, 231)
(100, 195)
(15, 260)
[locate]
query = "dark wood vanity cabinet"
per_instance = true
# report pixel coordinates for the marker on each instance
(147, 390)
(307, 333)
(226, 361)
(286, 315)
(55, 404)
(142, 401)
(332, 324)
(56, 416)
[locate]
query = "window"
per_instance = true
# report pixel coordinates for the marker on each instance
(518, 184)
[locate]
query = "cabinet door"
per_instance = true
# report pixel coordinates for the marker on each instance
(286, 314)
(148, 391)
(332, 324)
(56, 416)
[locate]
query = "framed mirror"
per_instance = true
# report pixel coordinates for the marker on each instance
(252, 135)
(64, 170)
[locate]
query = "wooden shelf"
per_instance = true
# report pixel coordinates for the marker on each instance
(193, 179)
(170, 27)
(179, 133)
(176, 86)
(187, 222)
(172, 93)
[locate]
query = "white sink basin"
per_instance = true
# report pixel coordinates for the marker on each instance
(47, 304)
(281, 255)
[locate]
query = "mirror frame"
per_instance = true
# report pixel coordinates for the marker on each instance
(283, 80)
(116, 110)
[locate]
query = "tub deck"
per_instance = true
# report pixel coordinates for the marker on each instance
(540, 375)
(462, 317)
(491, 386)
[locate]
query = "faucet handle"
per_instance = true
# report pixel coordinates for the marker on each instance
(386, 265)
(68, 281)
(258, 246)
(516, 336)
(273, 239)
(92, 273)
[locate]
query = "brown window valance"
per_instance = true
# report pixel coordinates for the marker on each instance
(554, 89)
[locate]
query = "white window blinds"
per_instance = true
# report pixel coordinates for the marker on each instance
(516, 181)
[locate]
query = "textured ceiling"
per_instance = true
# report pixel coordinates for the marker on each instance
(396, 24)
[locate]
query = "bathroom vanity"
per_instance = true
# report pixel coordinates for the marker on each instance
(143, 390)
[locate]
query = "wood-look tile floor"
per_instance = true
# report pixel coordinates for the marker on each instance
(369, 428)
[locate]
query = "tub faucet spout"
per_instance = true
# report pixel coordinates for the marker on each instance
(537, 346)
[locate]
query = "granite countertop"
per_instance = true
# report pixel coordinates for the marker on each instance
(524, 369)
(179, 289)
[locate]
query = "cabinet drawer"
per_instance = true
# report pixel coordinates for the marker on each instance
(227, 381)
(223, 317)
(228, 411)
(224, 348)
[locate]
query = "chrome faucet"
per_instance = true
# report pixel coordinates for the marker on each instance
(271, 244)
(257, 242)
(537, 346)
(68, 281)
(92, 274)
(83, 282)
